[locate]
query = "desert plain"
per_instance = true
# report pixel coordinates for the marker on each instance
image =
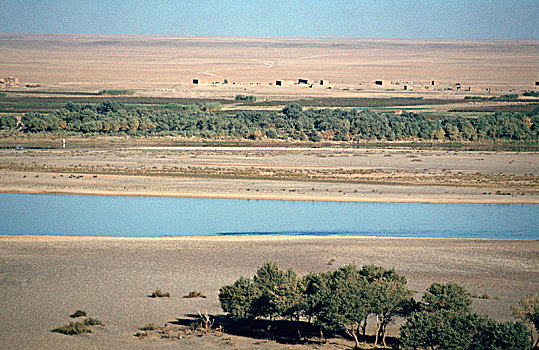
(45, 279)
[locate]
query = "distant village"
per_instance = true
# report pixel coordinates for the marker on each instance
(382, 85)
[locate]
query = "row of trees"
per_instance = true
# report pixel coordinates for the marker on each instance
(111, 117)
(344, 299)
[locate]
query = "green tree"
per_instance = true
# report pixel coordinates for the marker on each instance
(280, 292)
(237, 299)
(527, 311)
(8, 122)
(343, 302)
(450, 297)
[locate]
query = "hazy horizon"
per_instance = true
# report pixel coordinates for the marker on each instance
(421, 19)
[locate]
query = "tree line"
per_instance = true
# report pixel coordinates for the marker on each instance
(343, 300)
(293, 123)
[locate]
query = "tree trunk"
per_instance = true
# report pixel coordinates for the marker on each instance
(384, 335)
(378, 325)
(364, 325)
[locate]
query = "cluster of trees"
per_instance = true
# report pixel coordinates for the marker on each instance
(294, 123)
(444, 320)
(343, 300)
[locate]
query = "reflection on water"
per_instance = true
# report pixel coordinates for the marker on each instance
(157, 216)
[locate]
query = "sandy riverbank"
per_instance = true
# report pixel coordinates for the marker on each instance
(375, 175)
(44, 279)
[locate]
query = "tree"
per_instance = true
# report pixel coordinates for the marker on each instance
(450, 297)
(280, 292)
(343, 301)
(293, 110)
(391, 299)
(445, 329)
(527, 311)
(7, 122)
(237, 299)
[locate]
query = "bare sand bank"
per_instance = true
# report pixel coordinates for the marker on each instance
(45, 278)
(373, 175)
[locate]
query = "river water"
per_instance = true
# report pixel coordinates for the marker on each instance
(76, 215)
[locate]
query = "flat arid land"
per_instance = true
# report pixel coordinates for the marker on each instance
(336, 174)
(45, 279)
(166, 65)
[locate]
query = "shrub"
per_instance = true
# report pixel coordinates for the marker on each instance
(74, 328)
(78, 313)
(194, 294)
(116, 92)
(249, 98)
(90, 321)
(531, 93)
(159, 294)
(149, 327)
(8, 122)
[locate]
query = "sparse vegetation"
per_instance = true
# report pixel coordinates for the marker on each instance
(3, 94)
(149, 327)
(248, 98)
(74, 328)
(115, 92)
(160, 294)
(194, 294)
(90, 321)
(493, 98)
(79, 327)
(78, 313)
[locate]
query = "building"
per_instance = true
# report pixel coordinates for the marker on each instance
(324, 82)
(382, 82)
(195, 81)
(11, 81)
(305, 81)
(284, 83)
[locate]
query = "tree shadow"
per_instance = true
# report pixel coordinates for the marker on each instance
(281, 331)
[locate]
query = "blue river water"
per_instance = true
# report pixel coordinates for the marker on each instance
(74, 215)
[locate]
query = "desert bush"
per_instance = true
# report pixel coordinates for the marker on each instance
(249, 98)
(194, 294)
(116, 92)
(159, 294)
(149, 327)
(78, 313)
(74, 328)
(90, 321)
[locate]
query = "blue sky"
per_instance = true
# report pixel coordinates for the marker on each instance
(346, 18)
